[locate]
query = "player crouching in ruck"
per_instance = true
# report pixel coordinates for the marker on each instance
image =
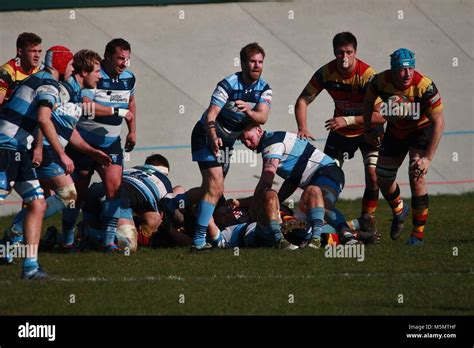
(415, 126)
(304, 166)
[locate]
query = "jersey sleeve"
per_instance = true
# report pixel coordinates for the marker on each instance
(373, 89)
(431, 99)
(314, 86)
(221, 93)
(88, 93)
(6, 79)
(275, 150)
(266, 96)
(47, 95)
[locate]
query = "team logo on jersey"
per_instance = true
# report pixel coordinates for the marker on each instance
(116, 98)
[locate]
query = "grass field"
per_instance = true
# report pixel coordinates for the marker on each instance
(431, 279)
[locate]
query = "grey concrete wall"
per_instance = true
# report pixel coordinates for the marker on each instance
(178, 62)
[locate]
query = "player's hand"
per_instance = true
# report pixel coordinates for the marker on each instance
(37, 156)
(373, 137)
(130, 142)
(420, 167)
(102, 158)
(129, 116)
(68, 164)
(242, 106)
(233, 203)
(216, 144)
(335, 123)
(305, 134)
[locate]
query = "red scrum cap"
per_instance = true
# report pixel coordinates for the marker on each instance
(58, 57)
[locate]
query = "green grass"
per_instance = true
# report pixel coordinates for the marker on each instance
(431, 280)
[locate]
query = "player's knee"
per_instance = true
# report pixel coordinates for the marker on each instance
(37, 206)
(127, 237)
(313, 191)
(385, 173)
(67, 194)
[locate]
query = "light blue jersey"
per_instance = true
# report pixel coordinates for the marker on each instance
(230, 122)
(299, 160)
(103, 131)
(19, 117)
(66, 115)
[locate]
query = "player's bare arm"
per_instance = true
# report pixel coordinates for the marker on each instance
(47, 127)
(259, 115)
(210, 126)
(301, 114)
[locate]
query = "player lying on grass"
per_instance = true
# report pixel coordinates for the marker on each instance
(51, 174)
(304, 166)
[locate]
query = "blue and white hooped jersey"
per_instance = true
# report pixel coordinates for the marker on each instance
(105, 130)
(66, 115)
(149, 181)
(299, 160)
(231, 122)
(19, 117)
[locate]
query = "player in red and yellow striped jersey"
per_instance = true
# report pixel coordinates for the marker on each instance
(26, 63)
(345, 79)
(412, 105)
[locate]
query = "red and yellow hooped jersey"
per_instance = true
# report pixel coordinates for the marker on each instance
(347, 93)
(11, 74)
(422, 95)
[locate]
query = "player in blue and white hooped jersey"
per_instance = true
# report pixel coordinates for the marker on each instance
(238, 100)
(65, 115)
(304, 166)
(114, 100)
(142, 189)
(28, 110)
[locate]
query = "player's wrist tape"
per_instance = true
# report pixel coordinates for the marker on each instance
(120, 112)
(350, 120)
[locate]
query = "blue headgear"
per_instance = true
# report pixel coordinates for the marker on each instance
(402, 58)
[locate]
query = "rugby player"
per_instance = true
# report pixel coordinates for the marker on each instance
(51, 174)
(416, 133)
(238, 100)
(28, 109)
(114, 100)
(301, 165)
(26, 63)
(345, 79)
(142, 189)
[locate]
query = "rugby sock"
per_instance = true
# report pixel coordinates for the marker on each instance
(70, 216)
(273, 229)
(30, 264)
(316, 219)
(203, 216)
(369, 201)
(109, 219)
(54, 205)
(337, 220)
(215, 242)
(394, 200)
(419, 205)
(354, 224)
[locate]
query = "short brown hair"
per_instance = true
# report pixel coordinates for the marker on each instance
(84, 60)
(344, 38)
(26, 39)
(113, 44)
(249, 50)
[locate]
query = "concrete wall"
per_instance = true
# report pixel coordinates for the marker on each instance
(178, 62)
